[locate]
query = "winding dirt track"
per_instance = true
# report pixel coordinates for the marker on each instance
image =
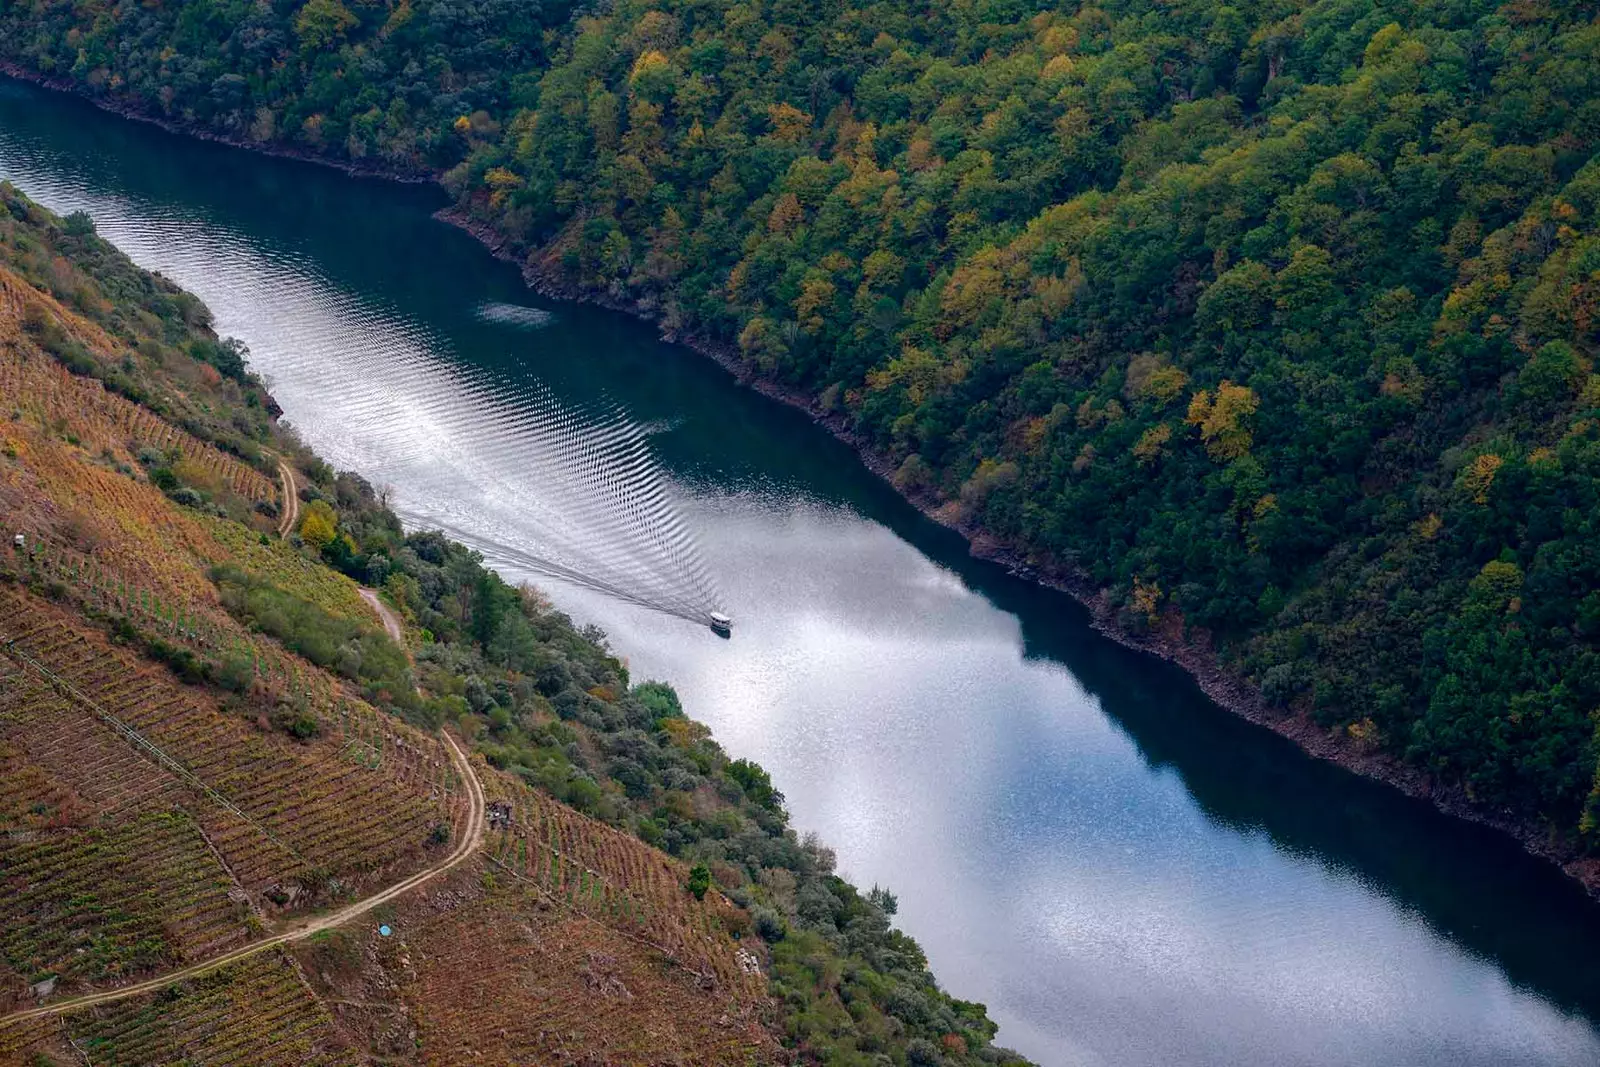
(390, 621)
(291, 500)
(470, 840)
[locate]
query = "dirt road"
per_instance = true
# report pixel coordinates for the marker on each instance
(304, 928)
(291, 500)
(391, 622)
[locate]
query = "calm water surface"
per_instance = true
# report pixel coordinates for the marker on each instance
(1125, 874)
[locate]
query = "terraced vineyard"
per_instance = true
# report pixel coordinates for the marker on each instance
(104, 872)
(111, 901)
(45, 391)
(566, 990)
(62, 501)
(593, 948)
(76, 769)
(29, 798)
(120, 547)
(256, 1013)
(612, 877)
(294, 813)
(272, 673)
(139, 556)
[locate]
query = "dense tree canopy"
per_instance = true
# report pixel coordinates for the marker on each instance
(404, 83)
(1276, 318)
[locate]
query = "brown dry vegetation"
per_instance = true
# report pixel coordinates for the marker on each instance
(491, 967)
(309, 822)
(589, 868)
(45, 392)
(256, 1013)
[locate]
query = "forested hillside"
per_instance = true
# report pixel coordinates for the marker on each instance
(207, 737)
(1276, 319)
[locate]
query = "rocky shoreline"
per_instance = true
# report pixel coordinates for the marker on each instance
(1197, 659)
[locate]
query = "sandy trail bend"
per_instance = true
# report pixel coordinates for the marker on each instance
(304, 928)
(391, 622)
(291, 500)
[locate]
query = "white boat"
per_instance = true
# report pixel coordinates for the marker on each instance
(721, 624)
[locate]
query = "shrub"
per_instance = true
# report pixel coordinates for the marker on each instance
(770, 926)
(699, 880)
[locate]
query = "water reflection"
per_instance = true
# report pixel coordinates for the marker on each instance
(1125, 874)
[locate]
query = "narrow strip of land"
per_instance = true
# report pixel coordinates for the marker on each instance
(291, 500)
(471, 838)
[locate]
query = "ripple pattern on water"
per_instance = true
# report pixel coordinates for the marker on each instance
(514, 315)
(572, 493)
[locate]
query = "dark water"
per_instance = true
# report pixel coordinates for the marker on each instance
(1125, 874)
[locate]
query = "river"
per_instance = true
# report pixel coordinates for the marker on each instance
(1124, 873)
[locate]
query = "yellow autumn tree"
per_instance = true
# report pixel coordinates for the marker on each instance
(1498, 585)
(762, 343)
(323, 23)
(653, 76)
(1146, 598)
(975, 288)
(991, 475)
(1150, 378)
(320, 525)
(816, 294)
(789, 124)
(915, 368)
(786, 214)
(501, 182)
(1221, 420)
(1152, 443)
(882, 269)
(1059, 69)
(1478, 477)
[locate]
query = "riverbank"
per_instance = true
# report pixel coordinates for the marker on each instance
(1185, 649)
(1169, 641)
(136, 112)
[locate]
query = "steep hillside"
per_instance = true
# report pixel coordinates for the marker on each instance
(236, 823)
(1273, 320)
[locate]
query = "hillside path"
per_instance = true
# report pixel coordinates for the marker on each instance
(291, 500)
(391, 622)
(304, 928)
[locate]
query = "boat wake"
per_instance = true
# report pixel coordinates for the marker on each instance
(591, 507)
(495, 460)
(515, 315)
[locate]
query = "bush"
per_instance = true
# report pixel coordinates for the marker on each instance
(78, 224)
(770, 926)
(298, 723)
